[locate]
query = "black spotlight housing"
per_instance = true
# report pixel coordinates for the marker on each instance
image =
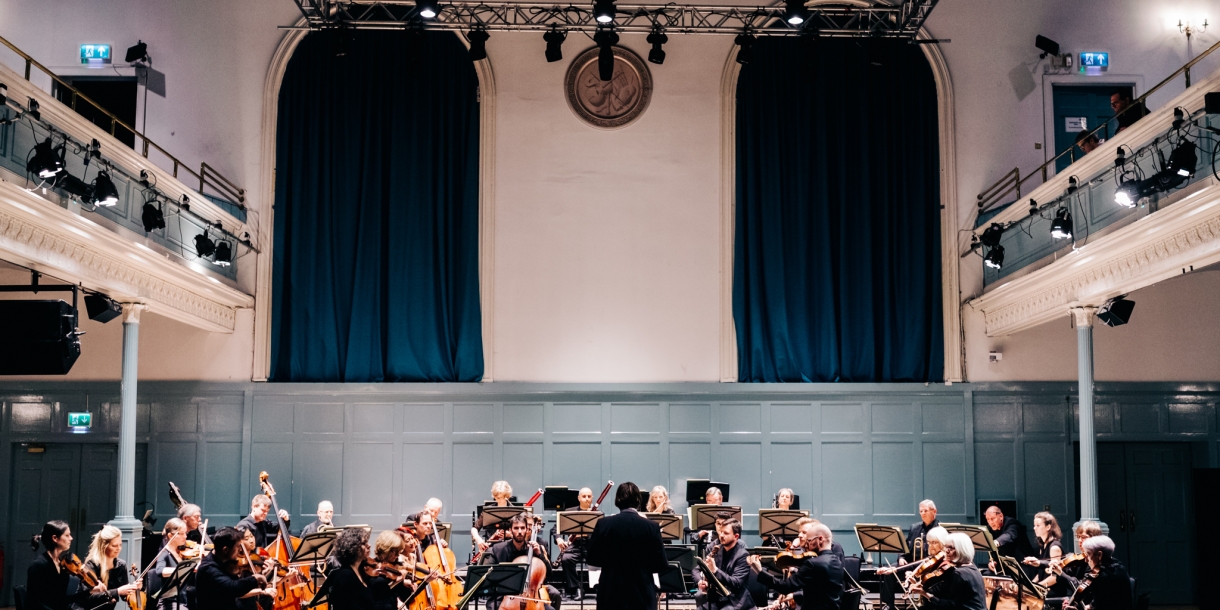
(1183, 159)
(48, 160)
(605, 39)
(137, 52)
(1061, 226)
(204, 246)
(991, 236)
(745, 53)
(1116, 311)
(102, 308)
(427, 8)
(103, 192)
(795, 12)
(152, 216)
(657, 38)
(554, 44)
(3, 94)
(604, 11)
(995, 257)
(224, 254)
(1046, 45)
(478, 44)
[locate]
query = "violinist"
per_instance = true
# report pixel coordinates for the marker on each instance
(519, 545)
(819, 578)
(658, 501)
(47, 581)
(919, 531)
(726, 563)
(265, 530)
(960, 584)
(936, 539)
(1050, 548)
(224, 576)
(1107, 586)
(572, 548)
(103, 561)
(501, 494)
(358, 585)
(175, 541)
(836, 549)
(326, 514)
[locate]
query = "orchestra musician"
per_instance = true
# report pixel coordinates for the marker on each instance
(423, 531)
(1050, 548)
(47, 581)
(835, 548)
(936, 539)
(433, 506)
(727, 563)
(517, 545)
(167, 563)
(396, 551)
(1107, 586)
(658, 501)
(192, 516)
(222, 578)
(572, 548)
(819, 578)
(1009, 535)
(501, 494)
(919, 531)
(960, 587)
(783, 501)
(326, 514)
(1069, 575)
(714, 497)
(628, 549)
(253, 602)
(355, 585)
(265, 530)
(103, 561)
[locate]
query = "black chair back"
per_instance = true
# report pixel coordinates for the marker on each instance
(851, 567)
(19, 597)
(850, 600)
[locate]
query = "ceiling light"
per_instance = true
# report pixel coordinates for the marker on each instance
(796, 13)
(604, 11)
(554, 44)
(605, 39)
(224, 254)
(47, 163)
(657, 54)
(152, 217)
(995, 257)
(104, 192)
(478, 44)
(746, 53)
(204, 246)
(1183, 159)
(991, 237)
(427, 8)
(1061, 226)
(1116, 311)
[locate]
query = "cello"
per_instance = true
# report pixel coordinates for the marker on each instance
(535, 596)
(295, 588)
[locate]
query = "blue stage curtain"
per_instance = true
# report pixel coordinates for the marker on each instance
(376, 267)
(836, 273)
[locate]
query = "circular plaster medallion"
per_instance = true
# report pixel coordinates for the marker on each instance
(608, 104)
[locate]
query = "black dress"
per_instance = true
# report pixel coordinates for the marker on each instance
(156, 582)
(47, 587)
(959, 589)
(115, 578)
(216, 589)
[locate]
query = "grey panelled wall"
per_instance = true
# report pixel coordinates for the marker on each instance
(854, 453)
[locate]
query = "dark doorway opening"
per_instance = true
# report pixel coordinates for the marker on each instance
(115, 94)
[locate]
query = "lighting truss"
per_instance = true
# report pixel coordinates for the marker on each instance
(879, 21)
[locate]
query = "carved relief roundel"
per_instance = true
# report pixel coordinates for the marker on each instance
(608, 104)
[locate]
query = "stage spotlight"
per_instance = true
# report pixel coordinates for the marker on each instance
(554, 44)
(605, 39)
(995, 257)
(224, 254)
(795, 12)
(35, 115)
(104, 192)
(478, 44)
(991, 236)
(427, 8)
(1061, 226)
(656, 39)
(1046, 45)
(1183, 159)
(152, 217)
(204, 246)
(604, 11)
(102, 308)
(746, 53)
(1128, 193)
(46, 163)
(1073, 184)
(1116, 311)
(138, 52)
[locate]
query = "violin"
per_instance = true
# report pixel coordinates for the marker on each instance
(923, 570)
(1064, 561)
(792, 559)
(73, 565)
(138, 599)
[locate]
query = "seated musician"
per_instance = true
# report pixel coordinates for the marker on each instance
(714, 497)
(783, 501)
(395, 556)
(727, 564)
(960, 586)
(423, 531)
(356, 585)
(104, 562)
(1009, 535)
(919, 531)
(835, 548)
(658, 501)
(265, 530)
(819, 578)
(572, 548)
(1069, 570)
(1050, 548)
(517, 545)
(936, 539)
(192, 516)
(501, 493)
(433, 506)
(254, 602)
(326, 514)
(1107, 586)
(221, 580)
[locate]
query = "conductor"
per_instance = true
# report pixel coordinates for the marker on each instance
(628, 549)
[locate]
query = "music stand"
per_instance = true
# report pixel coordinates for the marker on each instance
(578, 522)
(671, 580)
(681, 554)
(671, 525)
(766, 555)
(779, 522)
(881, 539)
(314, 547)
(559, 498)
(175, 581)
(696, 489)
(497, 580)
(703, 516)
(979, 535)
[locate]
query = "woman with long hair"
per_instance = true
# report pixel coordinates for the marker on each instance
(103, 560)
(167, 563)
(1050, 548)
(47, 581)
(355, 585)
(658, 501)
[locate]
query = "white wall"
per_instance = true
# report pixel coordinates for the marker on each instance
(608, 242)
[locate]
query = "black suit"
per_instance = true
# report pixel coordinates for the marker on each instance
(216, 589)
(50, 589)
(1011, 539)
(818, 579)
(734, 573)
(628, 549)
(959, 589)
(919, 531)
(1110, 589)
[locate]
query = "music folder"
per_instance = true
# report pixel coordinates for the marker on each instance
(492, 516)
(578, 522)
(979, 535)
(881, 538)
(703, 516)
(671, 525)
(780, 522)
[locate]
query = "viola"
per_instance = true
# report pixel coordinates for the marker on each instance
(72, 564)
(138, 599)
(923, 570)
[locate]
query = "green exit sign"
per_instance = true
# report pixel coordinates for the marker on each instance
(80, 420)
(95, 54)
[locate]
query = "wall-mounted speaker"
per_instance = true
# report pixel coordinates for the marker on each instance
(37, 338)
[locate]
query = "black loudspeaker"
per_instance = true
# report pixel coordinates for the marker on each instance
(37, 338)
(102, 309)
(1211, 102)
(1117, 312)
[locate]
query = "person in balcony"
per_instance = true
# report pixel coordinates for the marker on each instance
(1087, 142)
(1126, 111)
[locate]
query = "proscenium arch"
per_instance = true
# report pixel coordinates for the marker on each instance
(950, 280)
(266, 191)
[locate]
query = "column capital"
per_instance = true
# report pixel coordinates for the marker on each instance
(132, 311)
(1083, 314)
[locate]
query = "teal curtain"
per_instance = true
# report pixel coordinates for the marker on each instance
(836, 273)
(376, 274)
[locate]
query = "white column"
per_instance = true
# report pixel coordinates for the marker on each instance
(1088, 439)
(125, 519)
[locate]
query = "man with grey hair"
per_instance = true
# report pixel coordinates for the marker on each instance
(959, 588)
(1110, 588)
(919, 531)
(192, 516)
(819, 578)
(326, 514)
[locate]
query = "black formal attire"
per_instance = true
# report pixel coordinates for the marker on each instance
(1110, 588)
(627, 547)
(505, 552)
(1060, 588)
(1137, 111)
(919, 531)
(348, 592)
(1011, 539)
(818, 580)
(157, 582)
(571, 556)
(216, 589)
(49, 588)
(115, 578)
(958, 589)
(734, 573)
(314, 526)
(890, 583)
(265, 531)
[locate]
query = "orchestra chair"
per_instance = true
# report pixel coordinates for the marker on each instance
(19, 597)
(851, 567)
(850, 599)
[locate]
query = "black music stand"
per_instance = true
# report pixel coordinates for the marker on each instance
(444, 531)
(578, 523)
(314, 547)
(696, 489)
(779, 522)
(497, 580)
(175, 581)
(560, 498)
(881, 539)
(979, 535)
(682, 554)
(766, 556)
(704, 515)
(671, 525)
(671, 580)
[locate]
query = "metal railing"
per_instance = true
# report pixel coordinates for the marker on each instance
(207, 175)
(1012, 181)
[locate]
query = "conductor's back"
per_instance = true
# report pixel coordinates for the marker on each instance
(628, 549)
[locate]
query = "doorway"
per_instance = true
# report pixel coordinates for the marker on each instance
(116, 94)
(1082, 108)
(72, 482)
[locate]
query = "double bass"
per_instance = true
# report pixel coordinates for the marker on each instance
(295, 588)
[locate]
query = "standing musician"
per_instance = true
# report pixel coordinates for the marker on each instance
(627, 547)
(1009, 535)
(572, 548)
(658, 501)
(192, 516)
(819, 578)
(1107, 586)
(222, 578)
(501, 493)
(726, 562)
(356, 585)
(265, 530)
(937, 538)
(103, 561)
(1050, 548)
(919, 531)
(47, 581)
(326, 514)
(167, 563)
(519, 545)
(960, 587)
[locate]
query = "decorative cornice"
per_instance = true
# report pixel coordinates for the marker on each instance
(1164, 244)
(44, 236)
(1084, 315)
